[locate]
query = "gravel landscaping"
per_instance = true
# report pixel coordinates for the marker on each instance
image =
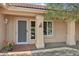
(65, 51)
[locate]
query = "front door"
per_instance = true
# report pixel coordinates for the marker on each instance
(22, 32)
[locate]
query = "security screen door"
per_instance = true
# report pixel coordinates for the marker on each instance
(22, 33)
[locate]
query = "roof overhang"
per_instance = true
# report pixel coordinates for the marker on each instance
(10, 10)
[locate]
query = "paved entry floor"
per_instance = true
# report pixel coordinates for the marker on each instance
(19, 50)
(22, 47)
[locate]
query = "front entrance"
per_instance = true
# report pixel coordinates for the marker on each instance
(22, 37)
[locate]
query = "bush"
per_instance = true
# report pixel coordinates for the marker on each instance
(8, 46)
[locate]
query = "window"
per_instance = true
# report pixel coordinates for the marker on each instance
(47, 28)
(32, 29)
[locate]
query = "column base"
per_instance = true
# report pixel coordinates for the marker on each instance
(71, 43)
(40, 46)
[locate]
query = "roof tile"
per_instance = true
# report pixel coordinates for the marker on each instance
(27, 5)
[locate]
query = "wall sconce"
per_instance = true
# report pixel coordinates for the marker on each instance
(40, 25)
(5, 20)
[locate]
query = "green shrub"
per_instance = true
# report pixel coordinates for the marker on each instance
(8, 47)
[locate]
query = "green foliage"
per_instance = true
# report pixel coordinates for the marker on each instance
(67, 10)
(55, 6)
(8, 47)
(48, 15)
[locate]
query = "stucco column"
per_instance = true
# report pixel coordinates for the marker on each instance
(39, 32)
(71, 33)
(2, 30)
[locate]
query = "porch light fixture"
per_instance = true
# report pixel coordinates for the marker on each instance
(5, 21)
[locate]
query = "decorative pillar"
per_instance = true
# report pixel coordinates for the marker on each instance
(39, 32)
(71, 33)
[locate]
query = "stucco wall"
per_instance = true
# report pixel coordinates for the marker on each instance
(2, 30)
(11, 32)
(77, 31)
(59, 32)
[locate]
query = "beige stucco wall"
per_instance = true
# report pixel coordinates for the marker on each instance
(11, 28)
(59, 32)
(77, 31)
(2, 30)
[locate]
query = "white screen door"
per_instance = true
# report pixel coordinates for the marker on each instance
(22, 32)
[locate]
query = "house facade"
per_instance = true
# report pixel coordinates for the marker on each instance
(24, 24)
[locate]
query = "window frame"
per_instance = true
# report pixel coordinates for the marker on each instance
(47, 28)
